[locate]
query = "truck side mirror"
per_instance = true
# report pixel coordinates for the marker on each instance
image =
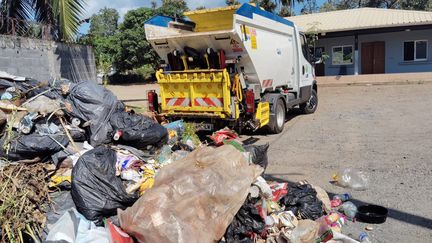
(318, 61)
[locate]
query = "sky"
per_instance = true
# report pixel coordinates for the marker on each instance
(122, 6)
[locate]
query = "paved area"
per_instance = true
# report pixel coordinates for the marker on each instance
(133, 94)
(383, 130)
(387, 78)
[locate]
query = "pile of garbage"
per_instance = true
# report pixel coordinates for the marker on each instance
(79, 166)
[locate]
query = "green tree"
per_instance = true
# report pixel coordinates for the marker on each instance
(331, 5)
(200, 8)
(232, 2)
(309, 6)
(281, 7)
(104, 23)
(63, 15)
(328, 6)
(134, 50)
(173, 8)
(417, 4)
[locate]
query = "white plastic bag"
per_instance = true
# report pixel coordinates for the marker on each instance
(352, 178)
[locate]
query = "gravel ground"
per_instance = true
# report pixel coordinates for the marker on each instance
(382, 130)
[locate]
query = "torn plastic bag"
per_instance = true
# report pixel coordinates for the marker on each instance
(303, 202)
(93, 103)
(73, 227)
(96, 190)
(204, 189)
(138, 130)
(23, 147)
(258, 154)
(43, 105)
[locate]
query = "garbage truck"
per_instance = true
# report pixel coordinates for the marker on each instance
(237, 66)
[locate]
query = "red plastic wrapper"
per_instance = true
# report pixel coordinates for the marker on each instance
(223, 135)
(335, 203)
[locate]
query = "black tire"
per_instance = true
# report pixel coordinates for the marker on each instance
(277, 121)
(311, 105)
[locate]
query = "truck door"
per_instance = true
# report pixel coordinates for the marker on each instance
(306, 68)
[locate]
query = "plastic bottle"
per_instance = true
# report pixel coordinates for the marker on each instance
(76, 122)
(351, 178)
(343, 197)
(364, 238)
(349, 209)
(117, 135)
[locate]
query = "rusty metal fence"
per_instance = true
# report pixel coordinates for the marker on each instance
(25, 28)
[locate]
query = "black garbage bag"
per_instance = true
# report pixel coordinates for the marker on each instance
(258, 154)
(95, 104)
(137, 130)
(246, 221)
(30, 146)
(96, 191)
(302, 201)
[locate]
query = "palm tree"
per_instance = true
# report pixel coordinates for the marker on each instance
(283, 7)
(64, 16)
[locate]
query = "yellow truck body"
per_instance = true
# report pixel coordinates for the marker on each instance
(200, 93)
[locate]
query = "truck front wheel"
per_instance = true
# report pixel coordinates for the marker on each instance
(277, 121)
(311, 105)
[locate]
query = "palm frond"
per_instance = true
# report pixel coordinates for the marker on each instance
(18, 9)
(68, 16)
(43, 11)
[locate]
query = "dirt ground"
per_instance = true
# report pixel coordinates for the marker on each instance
(383, 130)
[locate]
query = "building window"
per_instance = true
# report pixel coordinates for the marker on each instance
(342, 55)
(415, 50)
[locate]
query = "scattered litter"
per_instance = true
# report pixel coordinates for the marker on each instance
(223, 135)
(77, 166)
(349, 209)
(189, 196)
(351, 178)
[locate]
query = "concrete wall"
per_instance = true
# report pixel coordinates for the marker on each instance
(394, 51)
(44, 60)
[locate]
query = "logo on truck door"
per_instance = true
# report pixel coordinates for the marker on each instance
(235, 46)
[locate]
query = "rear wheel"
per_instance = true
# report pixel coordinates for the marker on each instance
(277, 121)
(311, 105)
